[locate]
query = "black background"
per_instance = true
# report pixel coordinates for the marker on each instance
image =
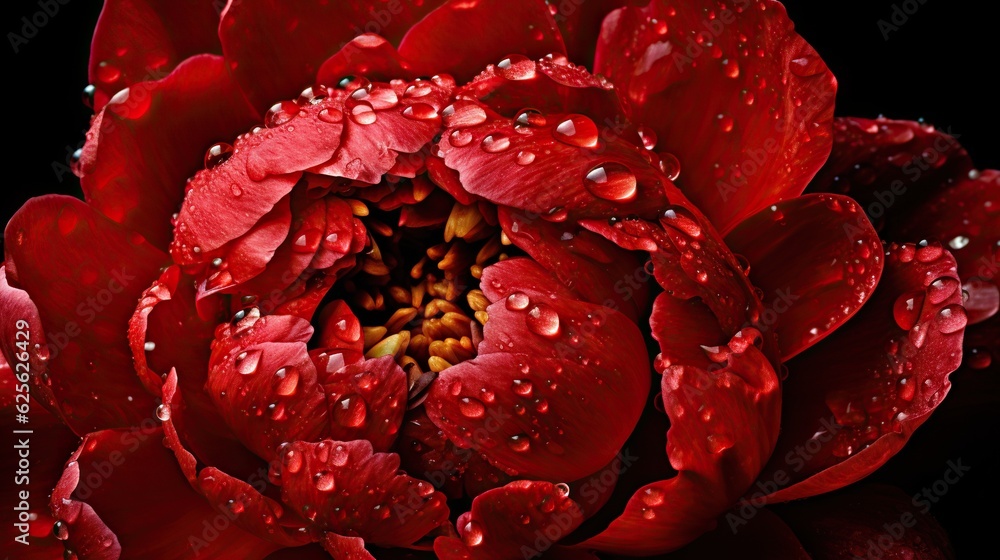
(940, 65)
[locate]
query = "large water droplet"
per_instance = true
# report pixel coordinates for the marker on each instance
(460, 138)
(472, 534)
(681, 219)
(420, 112)
(280, 113)
(350, 411)
(653, 497)
(543, 321)
(517, 301)
(60, 530)
(520, 443)
(517, 67)
(471, 407)
(577, 130)
(363, 113)
(527, 118)
(331, 115)
(325, 482)
(163, 412)
(958, 242)
(670, 165)
(952, 319)
(246, 362)
(522, 387)
(906, 310)
(217, 155)
(648, 137)
(495, 143)
(287, 380)
(611, 181)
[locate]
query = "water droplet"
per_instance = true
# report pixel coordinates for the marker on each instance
(149, 346)
(460, 138)
(471, 407)
(418, 89)
(611, 181)
(520, 443)
(217, 155)
(730, 68)
(517, 67)
(60, 530)
(680, 218)
(577, 130)
(648, 137)
(350, 411)
(292, 461)
(978, 358)
(653, 497)
(942, 289)
(280, 113)
(495, 143)
(363, 113)
(717, 443)
(952, 319)
(463, 116)
(472, 534)
(522, 387)
(525, 157)
(562, 489)
(88, 95)
(958, 242)
(331, 115)
(670, 165)
(287, 379)
(726, 122)
(527, 118)
(246, 362)
(420, 112)
(163, 412)
(311, 95)
(517, 301)
(325, 482)
(907, 309)
(543, 321)
(108, 73)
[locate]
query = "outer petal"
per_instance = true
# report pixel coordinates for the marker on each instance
(556, 388)
(852, 410)
(526, 28)
(366, 55)
(890, 167)
(142, 40)
(108, 479)
(724, 423)
(275, 47)
(764, 131)
(91, 272)
(176, 118)
(346, 489)
(524, 519)
(817, 260)
(870, 521)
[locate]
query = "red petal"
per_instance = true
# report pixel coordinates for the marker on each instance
(45, 463)
(340, 332)
(764, 130)
(724, 423)
(384, 122)
(242, 502)
(869, 522)
(366, 55)
(594, 268)
(265, 384)
(367, 401)
(348, 548)
(346, 489)
(966, 217)
(503, 162)
(856, 398)
(424, 449)
(890, 167)
(556, 388)
(117, 473)
(62, 249)
(525, 28)
(549, 85)
(763, 537)
(177, 119)
(817, 260)
(140, 40)
(275, 47)
(164, 306)
(684, 329)
(521, 520)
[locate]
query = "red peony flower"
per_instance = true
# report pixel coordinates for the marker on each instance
(482, 279)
